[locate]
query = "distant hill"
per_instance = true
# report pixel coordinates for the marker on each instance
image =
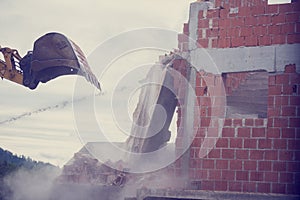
(10, 163)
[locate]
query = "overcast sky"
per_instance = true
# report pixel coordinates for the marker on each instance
(51, 135)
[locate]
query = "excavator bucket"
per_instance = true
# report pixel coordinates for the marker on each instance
(55, 55)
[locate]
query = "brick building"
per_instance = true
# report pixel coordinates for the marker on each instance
(245, 55)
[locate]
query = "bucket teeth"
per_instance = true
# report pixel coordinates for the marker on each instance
(55, 55)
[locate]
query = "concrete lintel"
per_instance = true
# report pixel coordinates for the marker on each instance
(287, 54)
(270, 58)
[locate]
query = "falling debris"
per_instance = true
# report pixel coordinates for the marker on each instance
(150, 126)
(85, 169)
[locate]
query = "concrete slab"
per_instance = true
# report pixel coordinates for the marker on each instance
(287, 54)
(269, 58)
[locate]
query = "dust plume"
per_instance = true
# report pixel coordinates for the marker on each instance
(31, 184)
(43, 184)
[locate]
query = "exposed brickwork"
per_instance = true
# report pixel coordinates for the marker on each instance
(239, 24)
(251, 155)
(183, 39)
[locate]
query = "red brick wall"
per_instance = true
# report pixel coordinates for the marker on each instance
(183, 38)
(258, 25)
(251, 155)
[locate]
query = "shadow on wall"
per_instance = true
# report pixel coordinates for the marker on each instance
(247, 94)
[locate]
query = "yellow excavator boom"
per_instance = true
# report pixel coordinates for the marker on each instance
(53, 55)
(8, 69)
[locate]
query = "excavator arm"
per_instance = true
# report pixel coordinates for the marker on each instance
(8, 68)
(53, 55)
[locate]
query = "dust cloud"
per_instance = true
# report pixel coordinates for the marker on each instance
(31, 184)
(42, 184)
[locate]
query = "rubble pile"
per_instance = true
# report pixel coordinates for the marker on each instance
(84, 169)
